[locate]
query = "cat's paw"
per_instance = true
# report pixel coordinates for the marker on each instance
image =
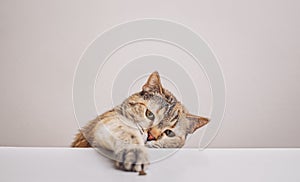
(132, 158)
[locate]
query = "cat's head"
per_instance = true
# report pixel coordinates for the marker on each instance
(177, 123)
(165, 120)
(149, 106)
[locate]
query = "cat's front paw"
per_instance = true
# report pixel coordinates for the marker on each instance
(132, 158)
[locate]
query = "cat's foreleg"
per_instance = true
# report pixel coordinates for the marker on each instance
(126, 144)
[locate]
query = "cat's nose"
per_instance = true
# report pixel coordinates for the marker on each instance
(150, 137)
(153, 134)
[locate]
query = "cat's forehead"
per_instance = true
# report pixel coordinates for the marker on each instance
(169, 97)
(166, 102)
(158, 104)
(175, 111)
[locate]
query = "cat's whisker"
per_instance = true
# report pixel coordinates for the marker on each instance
(140, 128)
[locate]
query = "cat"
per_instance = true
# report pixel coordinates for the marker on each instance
(150, 118)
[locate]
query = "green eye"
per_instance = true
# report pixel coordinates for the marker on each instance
(149, 115)
(169, 133)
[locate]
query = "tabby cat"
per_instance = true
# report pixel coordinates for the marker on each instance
(152, 118)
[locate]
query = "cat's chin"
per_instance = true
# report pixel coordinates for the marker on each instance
(148, 138)
(153, 144)
(151, 141)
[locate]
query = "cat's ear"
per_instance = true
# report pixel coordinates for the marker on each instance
(195, 122)
(153, 84)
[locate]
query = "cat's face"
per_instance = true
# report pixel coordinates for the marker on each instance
(165, 120)
(171, 132)
(177, 123)
(145, 110)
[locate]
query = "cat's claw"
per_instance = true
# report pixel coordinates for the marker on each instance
(132, 158)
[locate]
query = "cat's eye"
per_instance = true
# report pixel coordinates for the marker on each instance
(169, 133)
(149, 115)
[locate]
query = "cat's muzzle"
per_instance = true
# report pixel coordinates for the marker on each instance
(150, 136)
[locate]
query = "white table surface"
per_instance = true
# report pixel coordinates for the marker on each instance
(86, 165)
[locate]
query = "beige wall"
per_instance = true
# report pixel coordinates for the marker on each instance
(257, 43)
